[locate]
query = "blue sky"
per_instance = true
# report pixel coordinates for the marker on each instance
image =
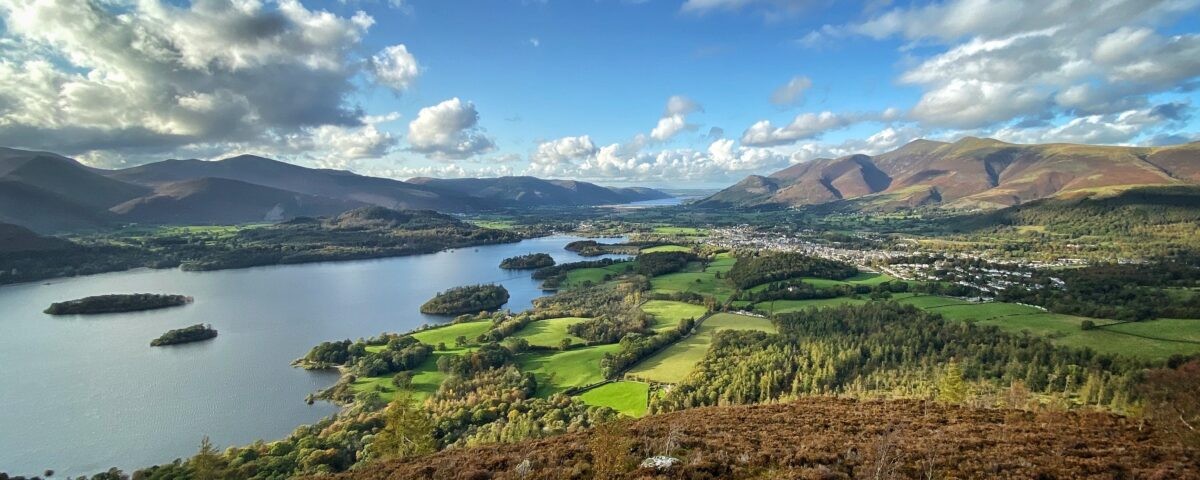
(670, 92)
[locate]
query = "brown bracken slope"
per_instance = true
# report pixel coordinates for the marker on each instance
(838, 438)
(970, 173)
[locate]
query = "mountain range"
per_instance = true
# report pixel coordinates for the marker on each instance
(970, 173)
(47, 192)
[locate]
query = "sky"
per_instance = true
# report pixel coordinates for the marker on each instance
(668, 93)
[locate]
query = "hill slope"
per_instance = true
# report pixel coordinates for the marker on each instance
(15, 238)
(532, 191)
(310, 181)
(824, 437)
(224, 201)
(969, 173)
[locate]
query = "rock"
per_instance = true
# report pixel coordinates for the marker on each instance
(659, 462)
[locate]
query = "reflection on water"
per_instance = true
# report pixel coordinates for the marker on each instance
(82, 394)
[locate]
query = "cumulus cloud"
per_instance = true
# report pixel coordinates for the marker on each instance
(1112, 129)
(563, 150)
(770, 9)
(1025, 60)
(395, 67)
(140, 78)
(449, 130)
(674, 119)
(804, 126)
(791, 93)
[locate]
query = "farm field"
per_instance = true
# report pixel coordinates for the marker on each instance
(667, 314)
(1170, 336)
(863, 278)
(629, 398)
(666, 248)
(549, 332)
(595, 275)
(680, 231)
(785, 306)
(558, 371)
(674, 362)
(449, 333)
(1185, 330)
(425, 382)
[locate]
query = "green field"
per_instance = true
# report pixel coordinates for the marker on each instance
(932, 301)
(784, 306)
(666, 248)
(550, 332)
(681, 231)
(1169, 336)
(629, 398)
(699, 278)
(426, 380)
(667, 314)
(863, 278)
(596, 275)
(447, 334)
(985, 311)
(558, 371)
(674, 362)
(1186, 330)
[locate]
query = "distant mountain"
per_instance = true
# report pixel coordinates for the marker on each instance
(65, 178)
(46, 212)
(48, 193)
(970, 173)
(225, 201)
(337, 184)
(532, 191)
(15, 238)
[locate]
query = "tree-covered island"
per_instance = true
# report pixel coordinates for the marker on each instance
(527, 262)
(117, 303)
(194, 333)
(466, 299)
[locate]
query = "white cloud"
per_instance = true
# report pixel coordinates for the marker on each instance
(1008, 60)
(535, 42)
(674, 119)
(791, 93)
(141, 78)
(395, 67)
(804, 126)
(448, 130)
(966, 103)
(1111, 129)
(563, 150)
(771, 9)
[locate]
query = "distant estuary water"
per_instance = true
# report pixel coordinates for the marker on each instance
(82, 394)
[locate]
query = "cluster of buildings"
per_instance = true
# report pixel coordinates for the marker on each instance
(990, 276)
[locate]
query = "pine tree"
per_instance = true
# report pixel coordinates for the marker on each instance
(407, 431)
(952, 388)
(206, 465)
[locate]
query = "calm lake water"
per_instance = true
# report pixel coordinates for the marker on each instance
(82, 394)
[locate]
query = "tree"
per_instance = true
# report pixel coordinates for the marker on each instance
(207, 464)
(407, 431)
(951, 387)
(565, 344)
(1087, 325)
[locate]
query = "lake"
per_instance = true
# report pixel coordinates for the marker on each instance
(82, 394)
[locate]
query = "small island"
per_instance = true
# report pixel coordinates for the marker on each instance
(466, 299)
(194, 333)
(527, 262)
(117, 303)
